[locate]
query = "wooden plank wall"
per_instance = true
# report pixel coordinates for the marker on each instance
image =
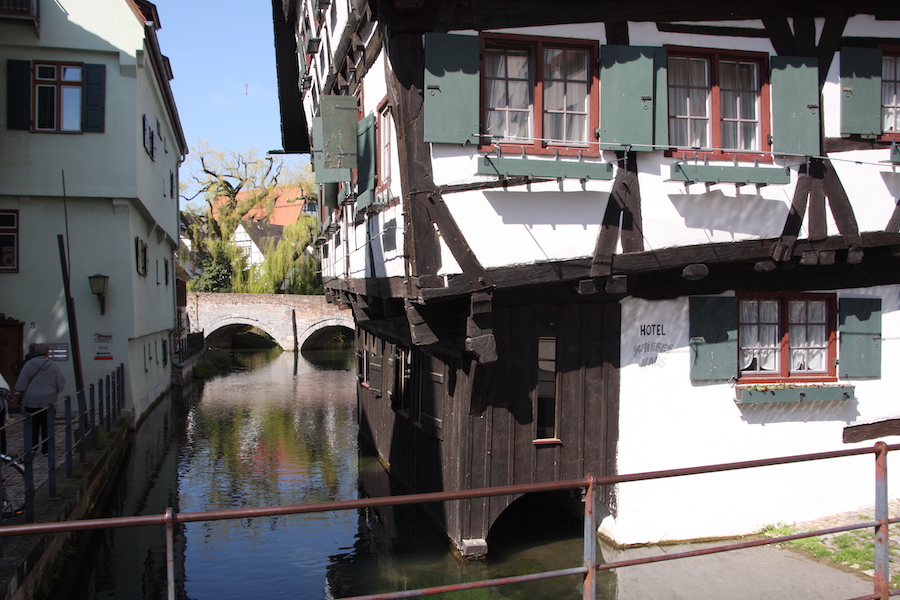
(493, 444)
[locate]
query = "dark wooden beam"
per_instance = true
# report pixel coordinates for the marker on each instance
(784, 248)
(871, 431)
(405, 87)
(840, 205)
(781, 35)
(617, 33)
(406, 16)
(818, 228)
(456, 242)
(601, 263)
(830, 42)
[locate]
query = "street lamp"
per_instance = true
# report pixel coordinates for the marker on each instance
(99, 285)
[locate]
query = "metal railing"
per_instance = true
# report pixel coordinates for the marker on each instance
(588, 569)
(74, 422)
(188, 346)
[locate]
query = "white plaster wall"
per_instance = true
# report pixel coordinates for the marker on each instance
(666, 422)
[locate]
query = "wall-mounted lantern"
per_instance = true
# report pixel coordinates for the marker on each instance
(99, 285)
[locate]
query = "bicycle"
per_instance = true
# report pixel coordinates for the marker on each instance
(12, 480)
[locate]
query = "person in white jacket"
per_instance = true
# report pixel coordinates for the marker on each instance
(38, 384)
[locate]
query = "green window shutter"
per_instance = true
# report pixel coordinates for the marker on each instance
(323, 173)
(339, 117)
(452, 83)
(861, 91)
(365, 174)
(859, 325)
(795, 105)
(93, 99)
(18, 94)
(634, 99)
(713, 333)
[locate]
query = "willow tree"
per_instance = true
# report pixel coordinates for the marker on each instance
(288, 267)
(237, 186)
(236, 183)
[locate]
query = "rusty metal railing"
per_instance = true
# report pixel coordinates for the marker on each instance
(589, 484)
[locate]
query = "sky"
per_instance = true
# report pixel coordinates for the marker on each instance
(223, 59)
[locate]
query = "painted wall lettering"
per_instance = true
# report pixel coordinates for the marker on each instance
(649, 353)
(652, 329)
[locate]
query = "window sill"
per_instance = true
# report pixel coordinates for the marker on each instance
(543, 168)
(548, 442)
(689, 172)
(753, 157)
(763, 393)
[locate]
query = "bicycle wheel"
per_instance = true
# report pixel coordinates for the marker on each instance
(13, 481)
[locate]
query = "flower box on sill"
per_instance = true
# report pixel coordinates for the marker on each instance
(758, 394)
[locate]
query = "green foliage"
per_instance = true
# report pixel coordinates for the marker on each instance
(286, 267)
(235, 185)
(223, 265)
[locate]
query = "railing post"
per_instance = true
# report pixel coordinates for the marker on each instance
(170, 553)
(50, 415)
(82, 426)
(882, 547)
(92, 406)
(590, 540)
(67, 414)
(28, 440)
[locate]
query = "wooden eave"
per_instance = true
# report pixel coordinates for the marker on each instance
(658, 273)
(408, 16)
(294, 130)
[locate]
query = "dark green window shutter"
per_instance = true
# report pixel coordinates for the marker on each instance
(18, 94)
(861, 91)
(795, 105)
(452, 83)
(365, 173)
(339, 117)
(859, 325)
(634, 99)
(323, 173)
(714, 338)
(93, 99)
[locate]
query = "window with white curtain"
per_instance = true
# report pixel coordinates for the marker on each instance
(539, 93)
(717, 101)
(786, 336)
(890, 94)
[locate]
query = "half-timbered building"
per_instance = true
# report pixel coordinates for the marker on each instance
(606, 238)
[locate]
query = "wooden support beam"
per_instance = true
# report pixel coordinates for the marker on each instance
(420, 332)
(893, 225)
(840, 205)
(405, 88)
(781, 35)
(456, 242)
(601, 264)
(784, 248)
(818, 228)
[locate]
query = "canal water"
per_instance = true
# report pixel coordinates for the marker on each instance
(282, 429)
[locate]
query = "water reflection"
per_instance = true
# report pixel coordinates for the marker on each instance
(281, 429)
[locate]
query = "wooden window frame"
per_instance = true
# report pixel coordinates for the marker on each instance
(536, 46)
(890, 136)
(57, 83)
(384, 131)
(784, 374)
(714, 57)
(12, 230)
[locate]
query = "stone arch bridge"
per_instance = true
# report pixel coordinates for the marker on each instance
(294, 322)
